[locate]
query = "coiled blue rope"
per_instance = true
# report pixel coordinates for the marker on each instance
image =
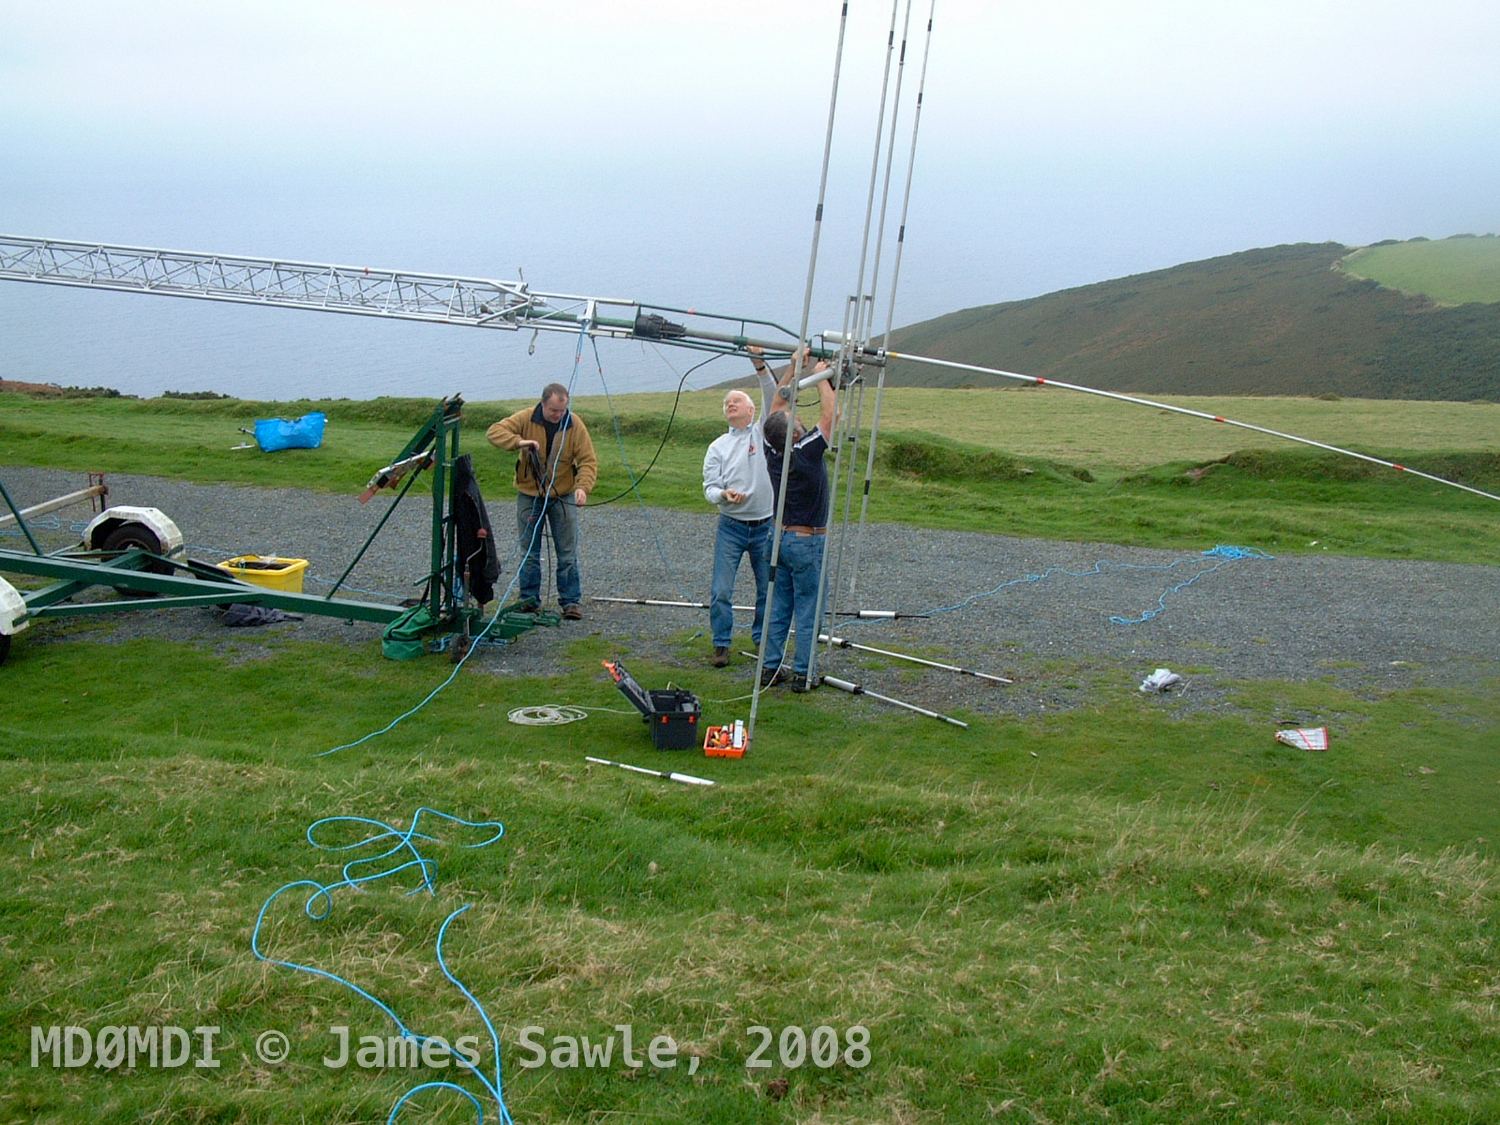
(319, 905)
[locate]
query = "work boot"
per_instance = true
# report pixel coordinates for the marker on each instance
(804, 684)
(573, 612)
(773, 676)
(720, 658)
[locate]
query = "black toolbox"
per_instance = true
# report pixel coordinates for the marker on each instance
(673, 714)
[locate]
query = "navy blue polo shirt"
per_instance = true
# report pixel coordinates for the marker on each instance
(807, 495)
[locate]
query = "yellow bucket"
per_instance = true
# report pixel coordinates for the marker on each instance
(268, 571)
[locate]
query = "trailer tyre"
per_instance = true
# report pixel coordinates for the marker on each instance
(4, 646)
(132, 536)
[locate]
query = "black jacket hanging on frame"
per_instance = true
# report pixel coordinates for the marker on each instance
(478, 562)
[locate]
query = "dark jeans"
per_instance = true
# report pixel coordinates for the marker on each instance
(798, 575)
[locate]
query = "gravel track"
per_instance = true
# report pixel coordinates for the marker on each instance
(1364, 625)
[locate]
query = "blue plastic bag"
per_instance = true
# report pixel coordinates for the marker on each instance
(273, 434)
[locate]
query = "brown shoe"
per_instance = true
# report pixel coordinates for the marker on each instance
(573, 612)
(773, 676)
(720, 658)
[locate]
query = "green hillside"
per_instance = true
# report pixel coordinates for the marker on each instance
(1451, 271)
(1279, 321)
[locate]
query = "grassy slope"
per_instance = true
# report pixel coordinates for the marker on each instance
(1111, 915)
(1117, 914)
(1273, 321)
(1452, 271)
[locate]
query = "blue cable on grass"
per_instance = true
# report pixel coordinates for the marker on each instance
(474, 644)
(319, 906)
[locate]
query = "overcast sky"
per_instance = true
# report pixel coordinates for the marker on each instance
(669, 151)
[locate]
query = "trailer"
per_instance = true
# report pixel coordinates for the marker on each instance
(139, 553)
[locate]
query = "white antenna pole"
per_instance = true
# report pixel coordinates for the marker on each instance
(786, 458)
(867, 310)
(858, 689)
(911, 163)
(670, 775)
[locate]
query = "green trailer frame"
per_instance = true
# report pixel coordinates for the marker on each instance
(150, 580)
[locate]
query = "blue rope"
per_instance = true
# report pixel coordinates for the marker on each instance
(319, 905)
(1225, 554)
(47, 522)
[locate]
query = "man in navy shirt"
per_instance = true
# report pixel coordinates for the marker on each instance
(799, 569)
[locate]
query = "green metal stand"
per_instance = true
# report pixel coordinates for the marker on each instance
(165, 583)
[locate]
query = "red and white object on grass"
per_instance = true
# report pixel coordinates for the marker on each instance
(1305, 738)
(726, 741)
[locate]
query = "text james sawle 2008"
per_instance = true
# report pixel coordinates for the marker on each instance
(822, 1047)
(113, 1046)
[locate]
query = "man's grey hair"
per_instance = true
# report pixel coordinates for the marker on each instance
(731, 394)
(553, 389)
(774, 427)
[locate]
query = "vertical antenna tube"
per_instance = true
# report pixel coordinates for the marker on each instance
(885, 85)
(843, 434)
(786, 457)
(866, 316)
(885, 341)
(885, 191)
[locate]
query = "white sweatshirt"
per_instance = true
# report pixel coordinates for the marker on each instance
(737, 461)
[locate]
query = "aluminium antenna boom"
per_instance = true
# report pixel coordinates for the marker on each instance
(364, 291)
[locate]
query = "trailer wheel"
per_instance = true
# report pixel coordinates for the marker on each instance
(132, 536)
(4, 646)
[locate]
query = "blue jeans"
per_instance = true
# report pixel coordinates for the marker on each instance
(734, 539)
(798, 575)
(562, 517)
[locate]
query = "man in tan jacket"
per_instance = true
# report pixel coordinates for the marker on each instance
(555, 473)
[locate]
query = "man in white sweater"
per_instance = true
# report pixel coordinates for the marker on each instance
(735, 479)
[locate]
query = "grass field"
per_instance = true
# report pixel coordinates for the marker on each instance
(1121, 913)
(1452, 271)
